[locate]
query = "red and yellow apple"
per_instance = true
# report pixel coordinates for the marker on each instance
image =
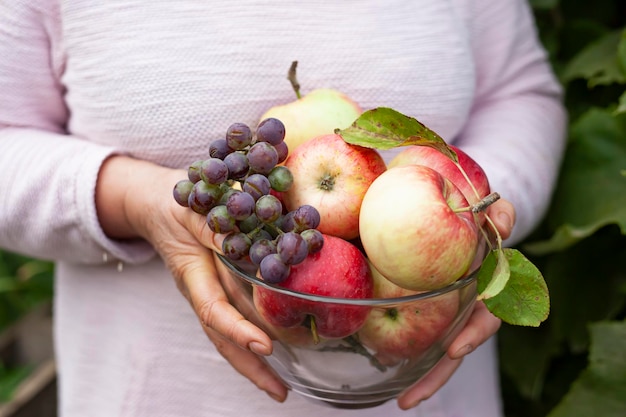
(338, 270)
(406, 330)
(415, 228)
(435, 159)
(317, 113)
(332, 176)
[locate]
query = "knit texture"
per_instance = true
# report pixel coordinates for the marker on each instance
(158, 80)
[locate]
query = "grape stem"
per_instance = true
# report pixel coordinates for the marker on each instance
(291, 76)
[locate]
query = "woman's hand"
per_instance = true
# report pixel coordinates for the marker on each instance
(134, 200)
(480, 327)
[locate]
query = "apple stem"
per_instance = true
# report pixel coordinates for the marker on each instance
(316, 336)
(291, 76)
(481, 205)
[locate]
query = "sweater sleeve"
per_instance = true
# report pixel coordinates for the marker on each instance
(47, 176)
(516, 129)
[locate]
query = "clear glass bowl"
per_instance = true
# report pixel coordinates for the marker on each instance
(354, 371)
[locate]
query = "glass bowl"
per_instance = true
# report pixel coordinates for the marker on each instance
(363, 369)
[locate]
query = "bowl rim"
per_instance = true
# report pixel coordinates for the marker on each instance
(462, 282)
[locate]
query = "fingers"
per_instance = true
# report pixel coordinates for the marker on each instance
(208, 299)
(480, 327)
(429, 384)
(502, 213)
(250, 366)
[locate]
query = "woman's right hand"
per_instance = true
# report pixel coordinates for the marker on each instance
(134, 200)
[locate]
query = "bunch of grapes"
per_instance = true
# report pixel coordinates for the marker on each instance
(233, 189)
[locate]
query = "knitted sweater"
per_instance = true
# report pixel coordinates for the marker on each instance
(158, 80)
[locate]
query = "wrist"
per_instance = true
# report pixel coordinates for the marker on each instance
(127, 191)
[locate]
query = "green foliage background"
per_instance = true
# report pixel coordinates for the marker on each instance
(575, 363)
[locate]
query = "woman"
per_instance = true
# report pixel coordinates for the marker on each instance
(105, 104)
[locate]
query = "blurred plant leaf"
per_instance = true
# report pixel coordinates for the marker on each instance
(591, 192)
(524, 301)
(597, 63)
(601, 388)
(385, 128)
(621, 106)
(525, 354)
(585, 284)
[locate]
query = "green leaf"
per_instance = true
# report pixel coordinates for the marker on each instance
(524, 301)
(499, 277)
(621, 106)
(591, 191)
(621, 53)
(597, 63)
(385, 128)
(601, 388)
(544, 4)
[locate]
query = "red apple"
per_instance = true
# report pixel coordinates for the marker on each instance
(416, 230)
(435, 159)
(406, 330)
(332, 176)
(338, 270)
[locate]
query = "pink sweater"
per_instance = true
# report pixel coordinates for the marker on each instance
(81, 80)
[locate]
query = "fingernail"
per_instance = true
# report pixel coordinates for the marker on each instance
(462, 351)
(276, 397)
(259, 348)
(505, 219)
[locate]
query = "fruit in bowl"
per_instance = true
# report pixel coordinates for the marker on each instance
(360, 309)
(364, 368)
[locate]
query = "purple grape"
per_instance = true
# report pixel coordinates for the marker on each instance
(237, 164)
(292, 248)
(314, 239)
(262, 157)
(203, 197)
(219, 149)
(238, 136)
(306, 217)
(193, 172)
(273, 269)
(270, 130)
(280, 178)
(240, 205)
(219, 220)
(282, 150)
(268, 208)
(256, 185)
(181, 192)
(236, 246)
(214, 171)
(287, 223)
(260, 249)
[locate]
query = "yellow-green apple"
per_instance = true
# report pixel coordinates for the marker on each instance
(415, 228)
(338, 270)
(406, 330)
(332, 176)
(435, 159)
(317, 113)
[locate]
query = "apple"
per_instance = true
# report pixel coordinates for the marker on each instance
(332, 176)
(406, 330)
(415, 228)
(435, 159)
(317, 113)
(339, 270)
